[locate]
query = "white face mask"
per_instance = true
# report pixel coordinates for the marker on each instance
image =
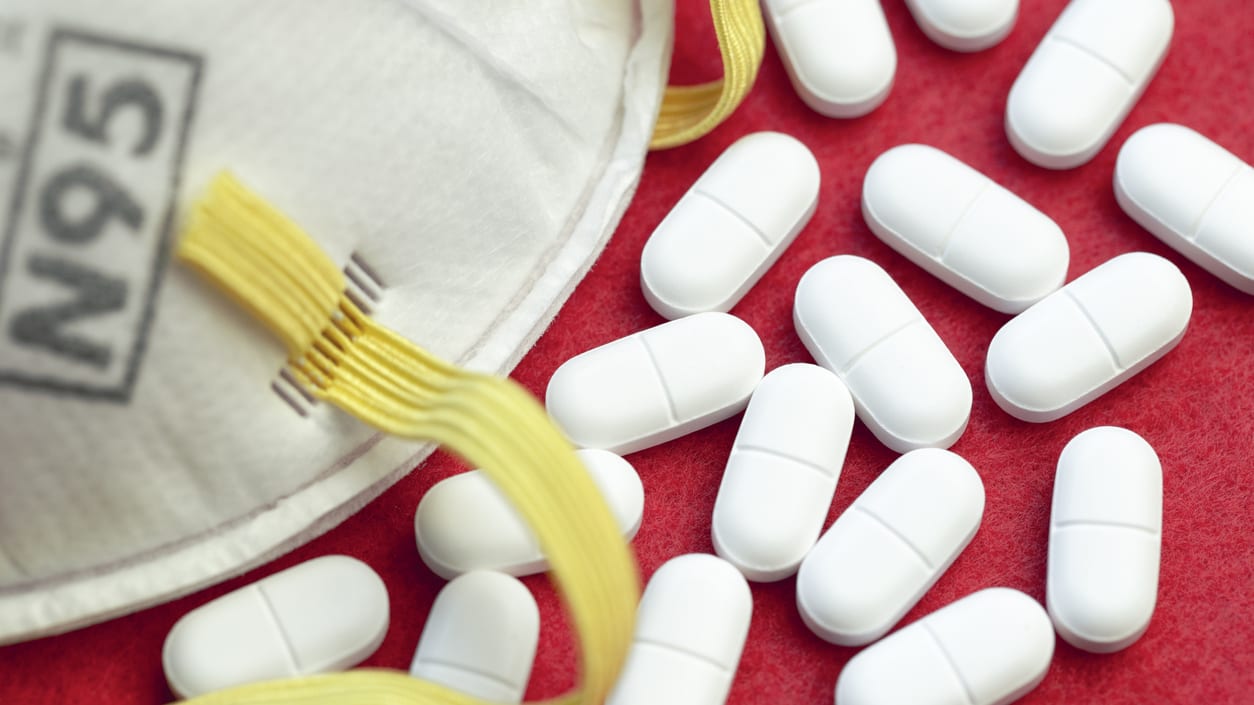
(464, 161)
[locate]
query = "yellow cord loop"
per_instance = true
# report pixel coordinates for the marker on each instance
(689, 112)
(270, 266)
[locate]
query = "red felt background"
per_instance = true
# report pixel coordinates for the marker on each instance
(1196, 406)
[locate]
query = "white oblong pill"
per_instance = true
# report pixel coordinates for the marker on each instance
(1088, 337)
(960, 226)
(690, 629)
(965, 25)
(1084, 77)
(782, 471)
(480, 637)
(989, 648)
(1193, 195)
(731, 226)
(1104, 539)
(658, 384)
(464, 523)
(838, 53)
(326, 614)
(890, 546)
(906, 386)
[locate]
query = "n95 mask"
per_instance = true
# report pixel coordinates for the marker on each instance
(462, 162)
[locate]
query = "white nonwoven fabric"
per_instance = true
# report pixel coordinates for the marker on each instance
(464, 161)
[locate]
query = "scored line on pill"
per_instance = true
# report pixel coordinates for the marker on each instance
(949, 659)
(1197, 224)
(900, 536)
(782, 455)
(681, 650)
(1099, 57)
(657, 373)
(853, 361)
(737, 216)
(1110, 348)
(273, 618)
(1106, 523)
(949, 236)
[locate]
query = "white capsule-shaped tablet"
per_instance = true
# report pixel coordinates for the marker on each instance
(890, 546)
(731, 226)
(658, 384)
(782, 471)
(1088, 337)
(464, 523)
(989, 648)
(906, 386)
(1193, 195)
(1104, 537)
(326, 614)
(965, 25)
(838, 53)
(959, 225)
(690, 630)
(480, 637)
(1084, 77)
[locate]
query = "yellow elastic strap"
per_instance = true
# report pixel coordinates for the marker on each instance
(271, 267)
(689, 112)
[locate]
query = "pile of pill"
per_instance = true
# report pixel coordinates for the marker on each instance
(877, 359)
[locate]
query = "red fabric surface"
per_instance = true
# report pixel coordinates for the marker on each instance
(1196, 406)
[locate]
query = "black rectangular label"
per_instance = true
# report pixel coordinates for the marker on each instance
(88, 231)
